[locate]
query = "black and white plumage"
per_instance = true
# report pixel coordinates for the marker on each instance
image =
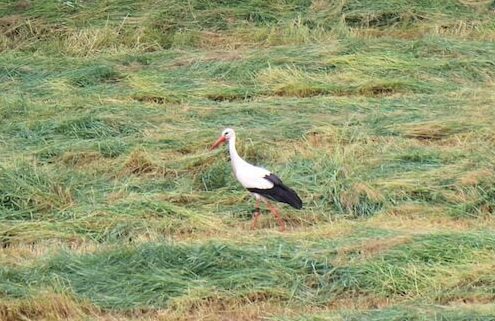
(263, 184)
(279, 192)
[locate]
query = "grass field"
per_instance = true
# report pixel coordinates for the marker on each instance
(379, 113)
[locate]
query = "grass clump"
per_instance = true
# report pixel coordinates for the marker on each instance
(399, 312)
(476, 201)
(414, 269)
(94, 75)
(28, 190)
(89, 127)
(157, 275)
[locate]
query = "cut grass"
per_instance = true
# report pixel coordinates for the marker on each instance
(416, 313)
(378, 113)
(210, 272)
(161, 275)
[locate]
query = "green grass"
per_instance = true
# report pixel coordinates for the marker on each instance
(421, 312)
(379, 113)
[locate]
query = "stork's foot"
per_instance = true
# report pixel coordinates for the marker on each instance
(256, 215)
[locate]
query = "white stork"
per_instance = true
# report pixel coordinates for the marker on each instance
(263, 184)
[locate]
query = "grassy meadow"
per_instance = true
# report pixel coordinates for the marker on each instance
(379, 113)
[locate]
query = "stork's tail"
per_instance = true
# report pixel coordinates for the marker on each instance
(289, 196)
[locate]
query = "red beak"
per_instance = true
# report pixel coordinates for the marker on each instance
(219, 142)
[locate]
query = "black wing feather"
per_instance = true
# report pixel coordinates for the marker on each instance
(279, 192)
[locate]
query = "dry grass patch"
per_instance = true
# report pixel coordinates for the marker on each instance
(423, 219)
(472, 284)
(46, 306)
(25, 254)
(210, 56)
(368, 249)
(150, 98)
(81, 159)
(414, 211)
(361, 302)
(142, 163)
(355, 194)
(476, 177)
(431, 130)
(323, 136)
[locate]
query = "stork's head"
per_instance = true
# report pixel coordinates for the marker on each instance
(226, 135)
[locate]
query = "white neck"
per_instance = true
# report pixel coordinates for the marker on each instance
(235, 159)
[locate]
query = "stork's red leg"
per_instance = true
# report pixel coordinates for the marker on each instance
(256, 214)
(275, 213)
